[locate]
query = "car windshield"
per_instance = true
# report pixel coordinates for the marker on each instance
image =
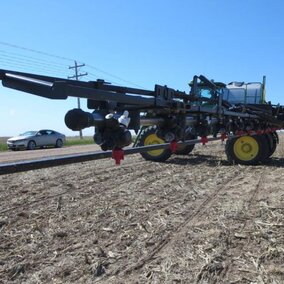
(29, 133)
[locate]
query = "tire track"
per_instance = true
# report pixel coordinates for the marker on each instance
(244, 210)
(190, 219)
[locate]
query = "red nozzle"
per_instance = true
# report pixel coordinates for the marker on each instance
(223, 136)
(173, 146)
(117, 155)
(204, 140)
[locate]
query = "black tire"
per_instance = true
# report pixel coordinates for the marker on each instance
(272, 143)
(185, 150)
(275, 138)
(31, 145)
(247, 150)
(59, 143)
(148, 137)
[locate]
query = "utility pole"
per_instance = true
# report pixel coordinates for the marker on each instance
(77, 76)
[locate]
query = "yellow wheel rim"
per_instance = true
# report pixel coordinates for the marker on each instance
(246, 148)
(153, 139)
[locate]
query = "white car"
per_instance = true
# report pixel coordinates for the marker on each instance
(30, 140)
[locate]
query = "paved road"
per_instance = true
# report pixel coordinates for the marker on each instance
(10, 156)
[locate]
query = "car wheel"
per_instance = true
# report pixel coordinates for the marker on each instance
(59, 143)
(31, 145)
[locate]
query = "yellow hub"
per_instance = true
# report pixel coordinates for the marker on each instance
(246, 148)
(153, 139)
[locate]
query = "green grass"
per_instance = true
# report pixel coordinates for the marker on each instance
(3, 145)
(71, 141)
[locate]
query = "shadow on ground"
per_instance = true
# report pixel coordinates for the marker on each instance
(214, 161)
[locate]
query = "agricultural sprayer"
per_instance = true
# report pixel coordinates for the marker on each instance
(165, 120)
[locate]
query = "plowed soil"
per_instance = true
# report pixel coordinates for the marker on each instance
(193, 219)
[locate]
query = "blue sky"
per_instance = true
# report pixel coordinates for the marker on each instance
(135, 43)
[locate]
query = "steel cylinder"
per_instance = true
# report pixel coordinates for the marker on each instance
(77, 119)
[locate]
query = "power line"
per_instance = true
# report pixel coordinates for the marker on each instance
(29, 58)
(69, 59)
(95, 76)
(12, 64)
(36, 51)
(114, 76)
(13, 59)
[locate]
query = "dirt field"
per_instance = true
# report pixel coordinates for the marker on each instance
(193, 219)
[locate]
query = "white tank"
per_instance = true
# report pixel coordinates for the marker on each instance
(240, 92)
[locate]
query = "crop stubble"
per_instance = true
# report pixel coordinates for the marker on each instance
(192, 219)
